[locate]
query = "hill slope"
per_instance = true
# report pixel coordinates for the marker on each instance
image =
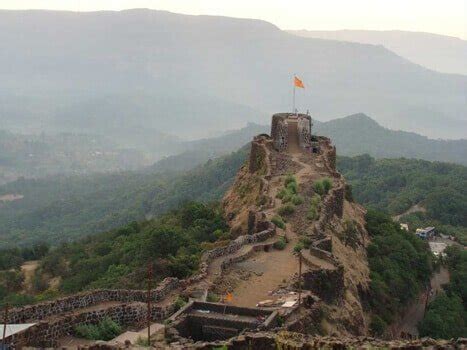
(61, 68)
(359, 134)
(353, 135)
(438, 52)
(62, 208)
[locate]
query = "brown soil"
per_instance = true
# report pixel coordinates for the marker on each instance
(28, 268)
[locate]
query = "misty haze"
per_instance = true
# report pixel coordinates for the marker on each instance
(181, 181)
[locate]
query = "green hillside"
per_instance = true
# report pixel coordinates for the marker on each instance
(62, 208)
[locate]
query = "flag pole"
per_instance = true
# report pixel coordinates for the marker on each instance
(293, 108)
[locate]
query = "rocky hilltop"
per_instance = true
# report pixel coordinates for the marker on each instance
(291, 180)
(296, 262)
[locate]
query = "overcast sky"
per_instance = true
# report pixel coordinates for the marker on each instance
(447, 17)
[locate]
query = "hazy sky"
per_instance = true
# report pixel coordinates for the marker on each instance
(447, 17)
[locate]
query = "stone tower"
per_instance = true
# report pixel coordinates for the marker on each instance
(291, 131)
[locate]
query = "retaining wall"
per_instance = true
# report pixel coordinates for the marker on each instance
(86, 299)
(45, 334)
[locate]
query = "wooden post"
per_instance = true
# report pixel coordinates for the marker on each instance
(5, 322)
(149, 303)
(299, 278)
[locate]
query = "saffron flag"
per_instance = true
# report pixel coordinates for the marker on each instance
(298, 83)
(229, 297)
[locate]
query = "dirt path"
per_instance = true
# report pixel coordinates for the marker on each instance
(413, 209)
(28, 268)
(292, 132)
(270, 270)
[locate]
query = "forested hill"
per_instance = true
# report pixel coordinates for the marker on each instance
(353, 135)
(359, 134)
(63, 208)
(439, 190)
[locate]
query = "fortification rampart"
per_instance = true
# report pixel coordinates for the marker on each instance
(45, 334)
(73, 302)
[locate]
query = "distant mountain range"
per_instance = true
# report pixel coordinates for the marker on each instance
(442, 53)
(353, 135)
(44, 155)
(137, 73)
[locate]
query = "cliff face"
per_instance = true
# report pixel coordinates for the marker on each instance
(330, 226)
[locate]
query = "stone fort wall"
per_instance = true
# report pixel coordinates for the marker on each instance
(45, 334)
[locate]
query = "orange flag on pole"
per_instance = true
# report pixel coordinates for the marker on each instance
(298, 83)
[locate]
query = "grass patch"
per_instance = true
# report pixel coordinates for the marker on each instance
(278, 221)
(297, 199)
(286, 209)
(313, 211)
(280, 244)
(305, 242)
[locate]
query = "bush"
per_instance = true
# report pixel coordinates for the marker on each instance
(297, 199)
(286, 209)
(323, 186)
(106, 329)
(287, 198)
(315, 200)
(179, 303)
(278, 221)
(280, 244)
(327, 184)
(298, 248)
(312, 214)
(281, 193)
(292, 187)
(305, 241)
(319, 188)
(289, 179)
(212, 298)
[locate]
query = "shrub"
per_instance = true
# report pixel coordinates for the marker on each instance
(278, 221)
(106, 329)
(292, 187)
(312, 213)
(315, 200)
(179, 303)
(281, 193)
(305, 241)
(213, 298)
(289, 179)
(280, 244)
(287, 198)
(286, 209)
(142, 341)
(319, 188)
(327, 184)
(297, 199)
(298, 248)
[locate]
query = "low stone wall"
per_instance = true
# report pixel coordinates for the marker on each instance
(229, 262)
(86, 299)
(324, 244)
(45, 334)
(238, 243)
(297, 341)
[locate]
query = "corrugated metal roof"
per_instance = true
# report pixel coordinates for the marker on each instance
(14, 328)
